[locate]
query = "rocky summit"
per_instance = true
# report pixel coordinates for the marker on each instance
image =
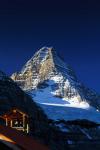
(47, 70)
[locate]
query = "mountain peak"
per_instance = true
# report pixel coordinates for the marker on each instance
(45, 48)
(46, 70)
(44, 51)
(44, 64)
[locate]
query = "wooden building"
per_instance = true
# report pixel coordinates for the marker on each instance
(16, 119)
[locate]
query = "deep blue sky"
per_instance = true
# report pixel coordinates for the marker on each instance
(72, 27)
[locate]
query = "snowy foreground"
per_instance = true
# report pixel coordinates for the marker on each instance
(62, 108)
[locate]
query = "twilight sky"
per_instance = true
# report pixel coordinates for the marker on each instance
(72, 27)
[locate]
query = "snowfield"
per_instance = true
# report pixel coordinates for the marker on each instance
(62, 108)
(70, 113)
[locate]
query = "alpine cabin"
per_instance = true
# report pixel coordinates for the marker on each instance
(16, 119)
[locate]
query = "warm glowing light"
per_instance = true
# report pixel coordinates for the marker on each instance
(4, 138)
(14, 111)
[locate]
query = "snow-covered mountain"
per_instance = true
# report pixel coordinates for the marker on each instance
(54, 86)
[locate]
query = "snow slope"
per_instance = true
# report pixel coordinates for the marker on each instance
(62, 108)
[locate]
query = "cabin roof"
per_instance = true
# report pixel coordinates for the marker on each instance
(11, 111)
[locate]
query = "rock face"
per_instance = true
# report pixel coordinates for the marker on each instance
(42, 66)
(46, 66)
(35, 70)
